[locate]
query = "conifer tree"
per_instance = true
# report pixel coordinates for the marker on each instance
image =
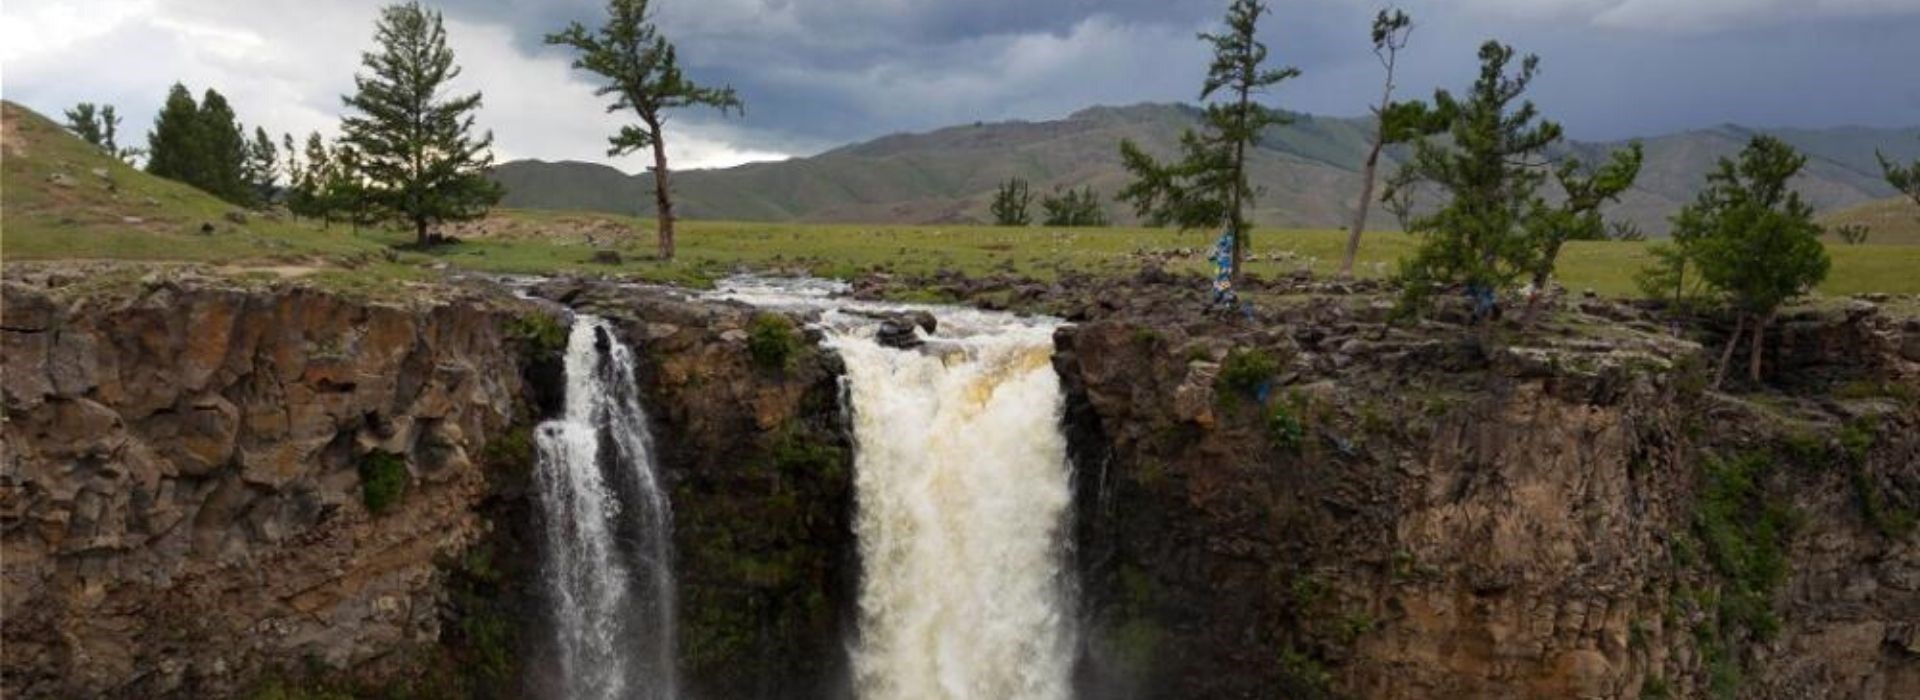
(173, 146)
(1578, 218)
(1073, 207)
(640, 70)
(84, 120)
(1753, 239)
(1208, 187)
(263, 165)
(1906, 179)
(223, 155)
(1489, 169)
(1010, 202)
(291, 167)
(1391, 29)
(414, 145)
(308, 194)
(110, 136)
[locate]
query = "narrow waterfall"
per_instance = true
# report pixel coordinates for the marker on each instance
(962, 486)
(608, 553)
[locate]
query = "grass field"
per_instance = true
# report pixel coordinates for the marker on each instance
(529, 241)
(63, 200)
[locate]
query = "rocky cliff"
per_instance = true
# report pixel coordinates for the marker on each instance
(1323, 505)
(216, 489)
(206, 484)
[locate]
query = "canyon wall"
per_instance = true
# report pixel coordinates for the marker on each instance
(212, 488)
(1404, 512)
(208, 484)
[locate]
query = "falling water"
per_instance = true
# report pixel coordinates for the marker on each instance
(962, 485)
(607, 558)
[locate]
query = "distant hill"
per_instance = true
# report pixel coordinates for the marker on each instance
(1309, 171)
(1894, 220)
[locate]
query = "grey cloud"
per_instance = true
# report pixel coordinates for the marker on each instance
(815, 73)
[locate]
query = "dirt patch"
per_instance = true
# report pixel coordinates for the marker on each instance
(11, 142)
(285, 272)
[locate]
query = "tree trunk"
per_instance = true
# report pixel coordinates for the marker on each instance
(1726, 356)
(420, 229)
(1759, 332)
(1238, 222)
(1366, 200)
(663, 202)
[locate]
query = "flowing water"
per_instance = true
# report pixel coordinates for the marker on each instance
(963, 491)
(607, 530)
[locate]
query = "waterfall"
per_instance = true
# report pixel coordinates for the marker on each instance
(607, 560)
(962, 490)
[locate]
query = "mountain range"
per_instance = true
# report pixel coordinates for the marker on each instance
(1308, 172)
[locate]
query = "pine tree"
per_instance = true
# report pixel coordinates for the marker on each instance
(1906, 179)
(1753, 239)
(308, 189)
(1010, 202)
(1489, 169)
(1208, 186)
(414, 147)
(1578, 218)
(223, 155)
(1391, 30)
(84, 120)
(263, 164)
(642, 74)
(1073, 207)
(173, 147)
(110, 136)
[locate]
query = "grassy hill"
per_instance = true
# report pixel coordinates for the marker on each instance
(1308, 171)
(1890, 221)
(62, 200)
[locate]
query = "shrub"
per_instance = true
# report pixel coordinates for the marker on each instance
(1246, 370)
(383, 481)
(1283, 427)
(772, 340)
(1302, 676)
(544, 334)
(1744, 529)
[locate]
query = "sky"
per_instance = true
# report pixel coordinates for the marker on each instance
(815, 74)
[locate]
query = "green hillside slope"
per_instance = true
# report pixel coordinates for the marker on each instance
(63, 198)
(1890, 221)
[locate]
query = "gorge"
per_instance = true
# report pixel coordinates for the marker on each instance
(1320, 504)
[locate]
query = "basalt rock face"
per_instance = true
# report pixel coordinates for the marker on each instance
(1393, 512)
(749, 427)
(185, 502)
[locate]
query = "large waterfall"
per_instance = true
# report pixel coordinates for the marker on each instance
(607, 527)
(963, 494)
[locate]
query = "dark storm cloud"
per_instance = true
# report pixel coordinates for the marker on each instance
(817, 73)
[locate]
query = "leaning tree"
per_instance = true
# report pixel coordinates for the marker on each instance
(642, 73)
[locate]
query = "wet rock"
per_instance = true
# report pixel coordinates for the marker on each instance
(899, 333)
